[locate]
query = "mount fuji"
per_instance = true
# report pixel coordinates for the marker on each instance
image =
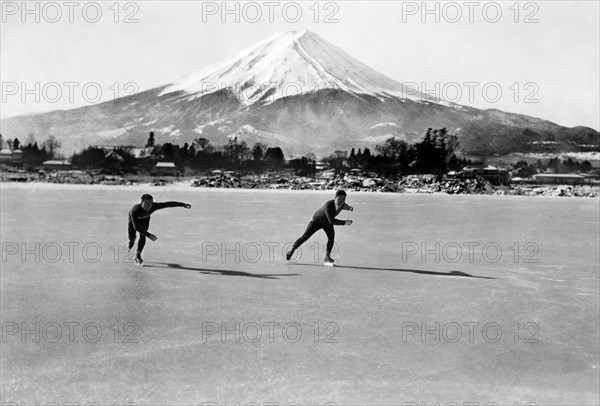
(287, 65)
(297, 91)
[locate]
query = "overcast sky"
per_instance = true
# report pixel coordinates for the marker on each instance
(536, 58)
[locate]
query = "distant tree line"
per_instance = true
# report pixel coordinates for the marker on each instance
(235, 155)
(201, 155)
(434, 154)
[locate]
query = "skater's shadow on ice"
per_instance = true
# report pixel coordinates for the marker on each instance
(216, 271)
(417, 271)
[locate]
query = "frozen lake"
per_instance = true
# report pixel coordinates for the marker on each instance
(485, 299)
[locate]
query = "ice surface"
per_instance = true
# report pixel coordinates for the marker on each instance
(364, 309)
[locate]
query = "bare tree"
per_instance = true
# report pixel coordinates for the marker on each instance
(202, 144)
(52, 145)
(237, 151)
(30, 140)
(393, 149)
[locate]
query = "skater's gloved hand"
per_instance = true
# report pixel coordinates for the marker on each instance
(152, 237)
(187, 206)
(348, 222)
(350, 208)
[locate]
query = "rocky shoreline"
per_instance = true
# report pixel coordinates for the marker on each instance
(406, 184)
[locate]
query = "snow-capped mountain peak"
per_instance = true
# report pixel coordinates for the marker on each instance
(288, 64)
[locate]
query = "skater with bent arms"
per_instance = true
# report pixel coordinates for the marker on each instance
(324, 218)
(139, 222)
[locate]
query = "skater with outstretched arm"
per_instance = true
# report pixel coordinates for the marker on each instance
(139, 222)
(324, 218)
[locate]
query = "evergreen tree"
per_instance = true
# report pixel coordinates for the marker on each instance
(434, 152)
(274, 158)
(33, 156)
(89, 158)
(352, 158)
(150, 142)
(168, 151)
(258, 151)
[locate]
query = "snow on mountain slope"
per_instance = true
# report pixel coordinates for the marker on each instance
(289, 64)
(251, 135)
(383, 125)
